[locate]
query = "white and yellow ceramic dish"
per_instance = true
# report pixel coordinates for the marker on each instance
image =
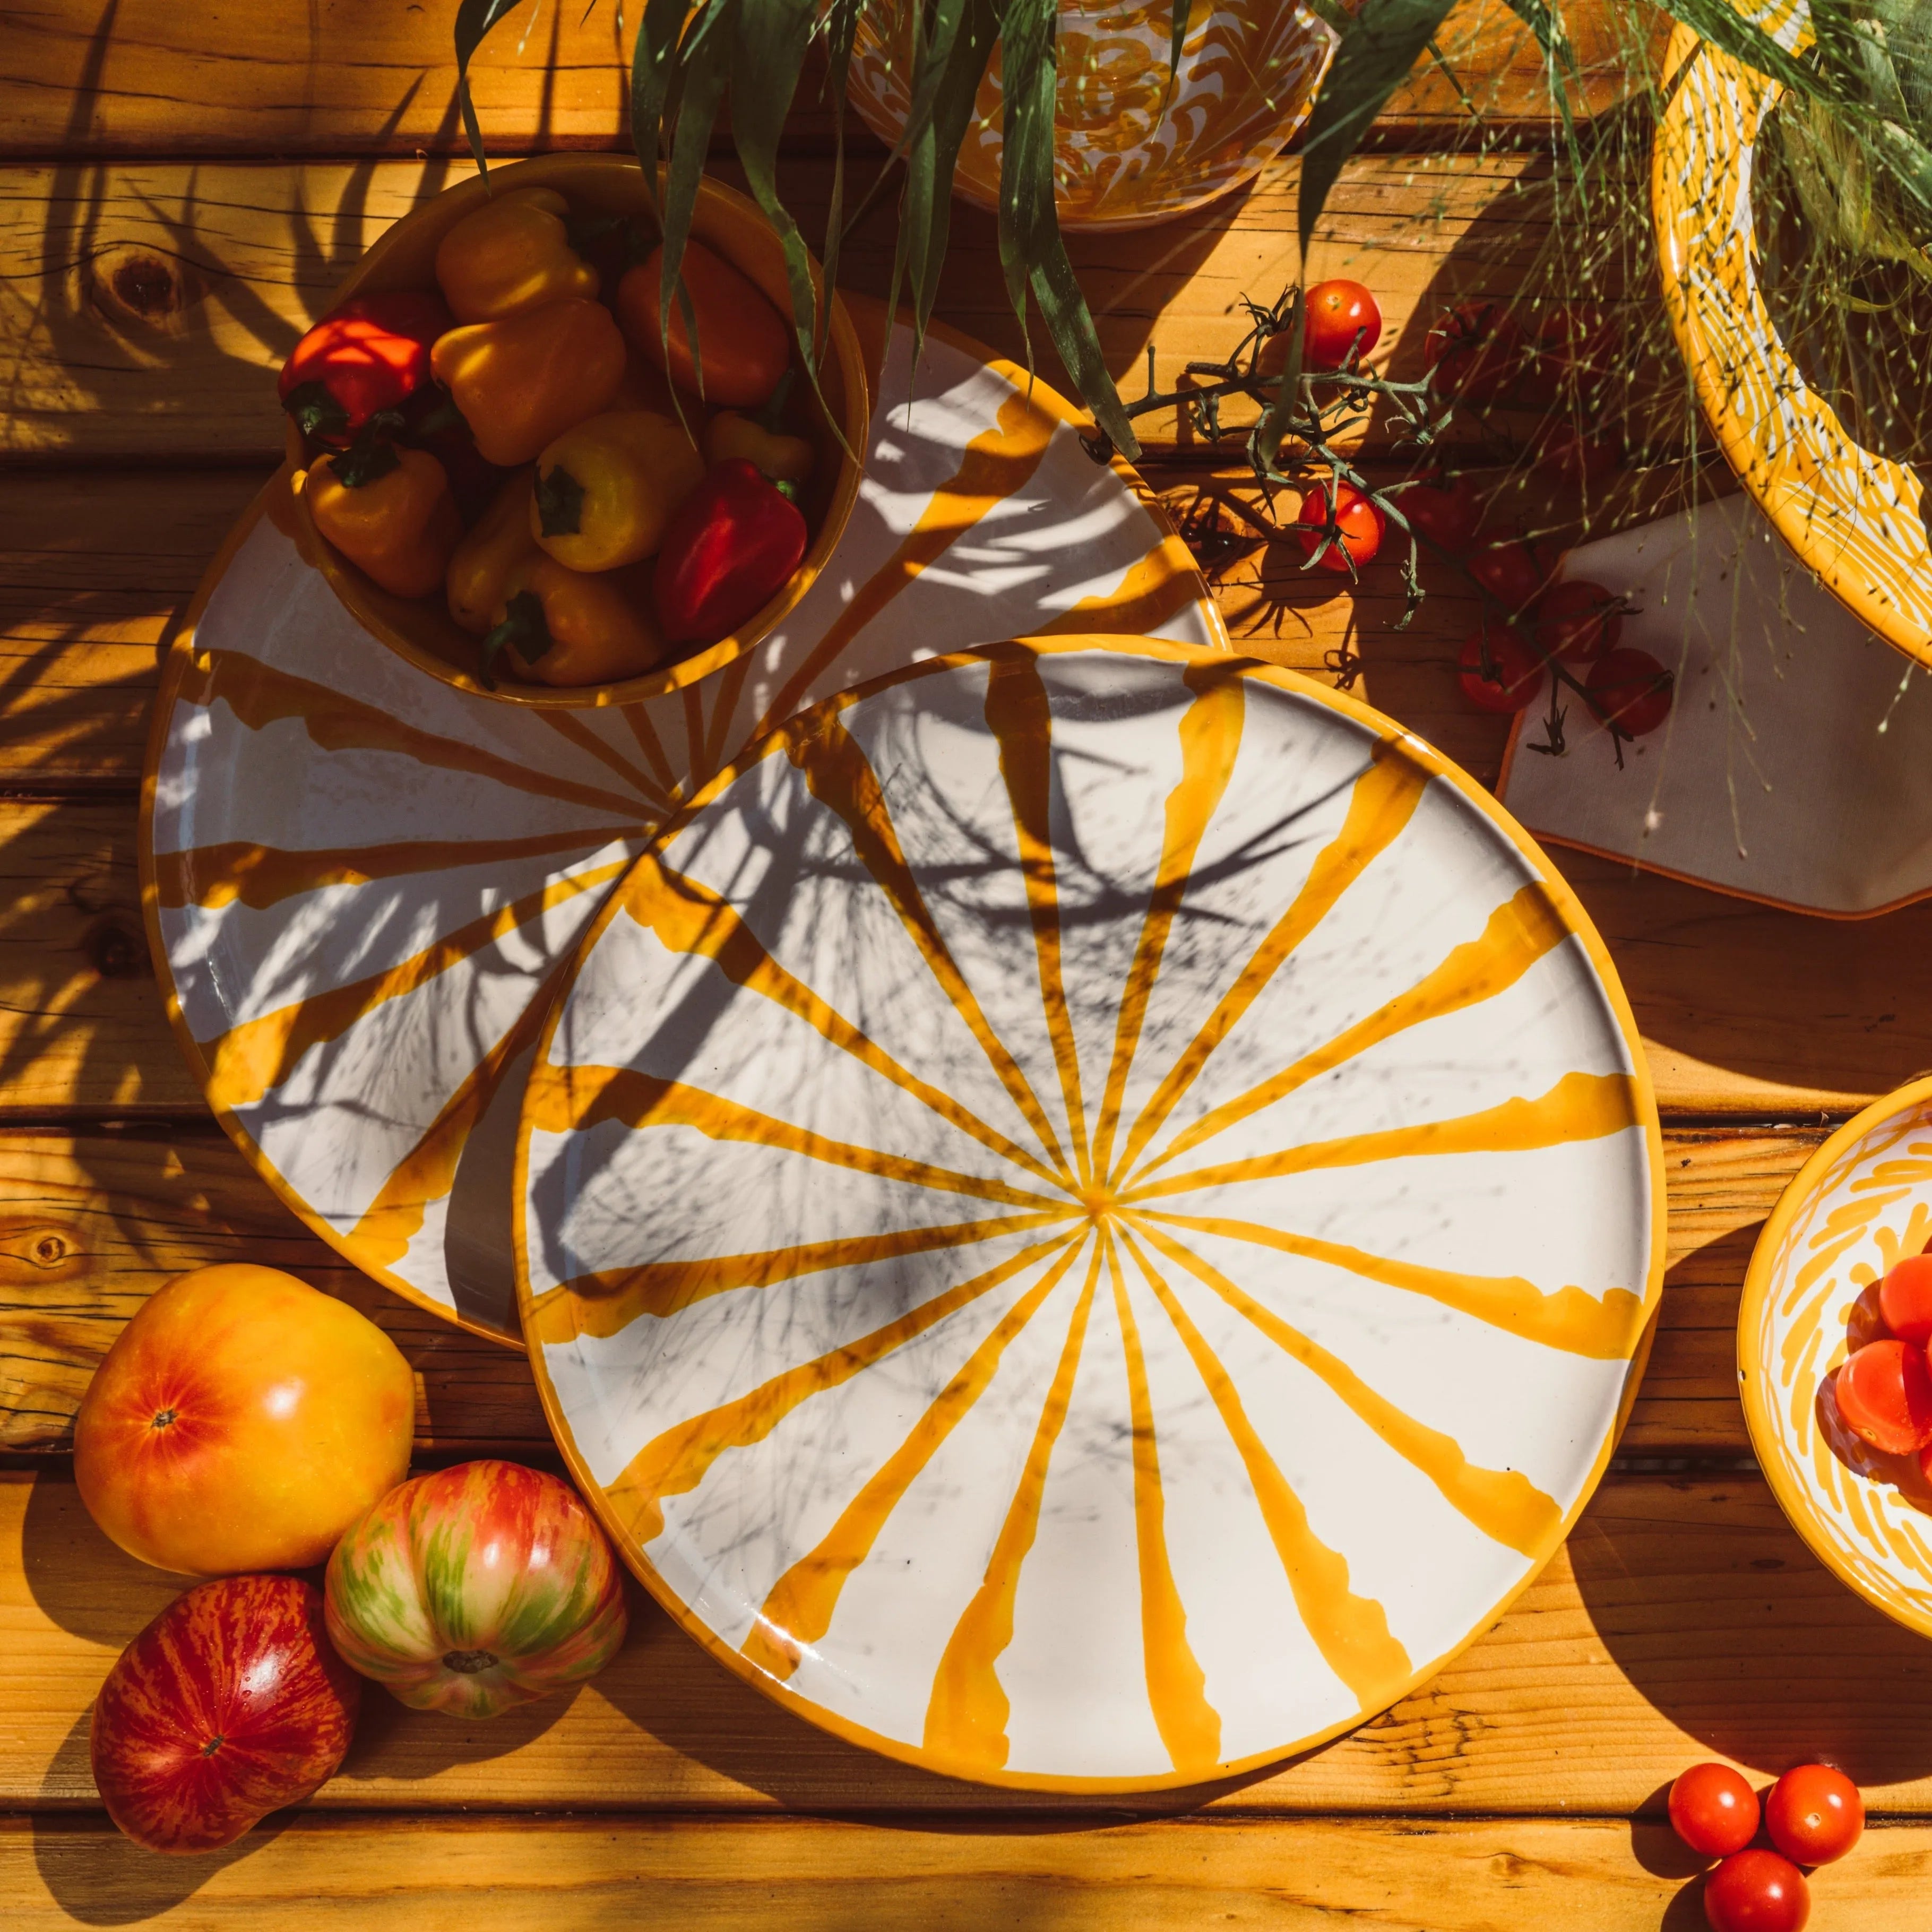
(1128, 150)
(1089, 1213)
(1851, 515)
(361, 880)
(1862, 1201)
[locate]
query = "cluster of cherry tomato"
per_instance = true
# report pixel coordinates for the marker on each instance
(1812, 1815)
(1884, 1390)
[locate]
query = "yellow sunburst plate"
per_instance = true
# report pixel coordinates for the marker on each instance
(1088, 1213)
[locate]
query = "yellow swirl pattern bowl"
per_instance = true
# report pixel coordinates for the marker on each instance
(1128, 151)
(1861, 1203)
(1852, 514)
(1088, 1214)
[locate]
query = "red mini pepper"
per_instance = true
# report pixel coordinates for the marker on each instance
(370, 354)
(733, 541)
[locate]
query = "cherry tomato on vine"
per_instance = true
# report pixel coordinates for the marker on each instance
(1498, 671)
(1511, 572)
(1578, 621)
(1449, 513)
(1814, 1814)
(1472, 351)
(1630, 689)
(1360, 523)
(1905, 1300)
(1713, 1809)
(1570, 455)
(1342, 322)
(1757, 1891)
(1567, 345)
(1885, 1395)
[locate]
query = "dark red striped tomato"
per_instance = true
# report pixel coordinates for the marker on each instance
(228, 1705)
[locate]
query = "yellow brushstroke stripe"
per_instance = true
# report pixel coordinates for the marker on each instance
(841, 777)
(249, 1060)
(1211, 736)
(1570, 1319)
(1154, 592)
(260, 695)
(798, 1611)
(1519, 932)
(692, 700)
(1189, 1726)
(1383, 801)
(1503, 1504)
(606, 1301)
(966, 1715)
(264, 875)
(1020, 717)
(675, 1463)
(575, 1098)
(1579, 1107)
(997, 462)
(567, 724)
(687, 917)
(638, 717)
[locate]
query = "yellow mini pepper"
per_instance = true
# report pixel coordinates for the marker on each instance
(389, 511)
(783, 457)
(522, 382)
(564, 627)
(494, 545)
(606, 489)
(513, 254)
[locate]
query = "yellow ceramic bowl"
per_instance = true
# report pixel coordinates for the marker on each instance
(421, 629)
(1861, 1201)
(1851, 515)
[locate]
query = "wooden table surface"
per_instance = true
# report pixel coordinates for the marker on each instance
(180, 189)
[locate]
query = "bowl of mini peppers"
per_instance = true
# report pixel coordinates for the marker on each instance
(518, 477)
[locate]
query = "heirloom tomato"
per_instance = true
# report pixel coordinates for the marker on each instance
(242, 1420)
(475, 1589)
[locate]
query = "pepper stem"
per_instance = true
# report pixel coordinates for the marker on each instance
(522, 629)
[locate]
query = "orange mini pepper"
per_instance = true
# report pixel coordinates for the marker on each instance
(566, 627)
(389, 511)
(744, 345)
(522, 382)
(492, 547)
(513, 254)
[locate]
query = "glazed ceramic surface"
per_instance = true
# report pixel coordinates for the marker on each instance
(1861, 1202)
(1089, 1213)
(361, 882)
(1852, 515)
(1129, 151)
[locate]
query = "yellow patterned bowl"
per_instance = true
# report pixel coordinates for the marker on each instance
(1853, 515)
(420, 629)
(1128, 151)
(1861, 1201)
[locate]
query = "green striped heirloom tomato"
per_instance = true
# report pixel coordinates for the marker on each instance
(475, 1589)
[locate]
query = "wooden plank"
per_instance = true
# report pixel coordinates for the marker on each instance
(823, 1875)
(1683, 1620)
(91, 1223)
(142, 76)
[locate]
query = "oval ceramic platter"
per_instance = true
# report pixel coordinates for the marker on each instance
(1861, 1203)
(1088, 1214)
(360, 883)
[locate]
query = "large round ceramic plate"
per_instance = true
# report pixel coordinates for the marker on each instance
(1088, 1214)
(360, 881)
(1861, 1202)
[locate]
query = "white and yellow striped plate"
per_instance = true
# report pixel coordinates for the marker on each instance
(1088, 1213)
(361, 883)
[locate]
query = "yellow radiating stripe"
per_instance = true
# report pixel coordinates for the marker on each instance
(798, 1611)
(1351, 1632)
(1579, 1107)
(1190, 1726)
(1155, 590)
(264, 875)
(1383, 799)
(249, 1060)
(638, 717)
(1519, 932)
(995, 464)
(574, 1098)
(1019, 717)
(687, 917)
(1503, 1504)
(966, 1716)
(1211, 736)
(607, 1301)
(677, 1462)
(840, 777)
(567, 724)
(260, 695)
(1570, 1319)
